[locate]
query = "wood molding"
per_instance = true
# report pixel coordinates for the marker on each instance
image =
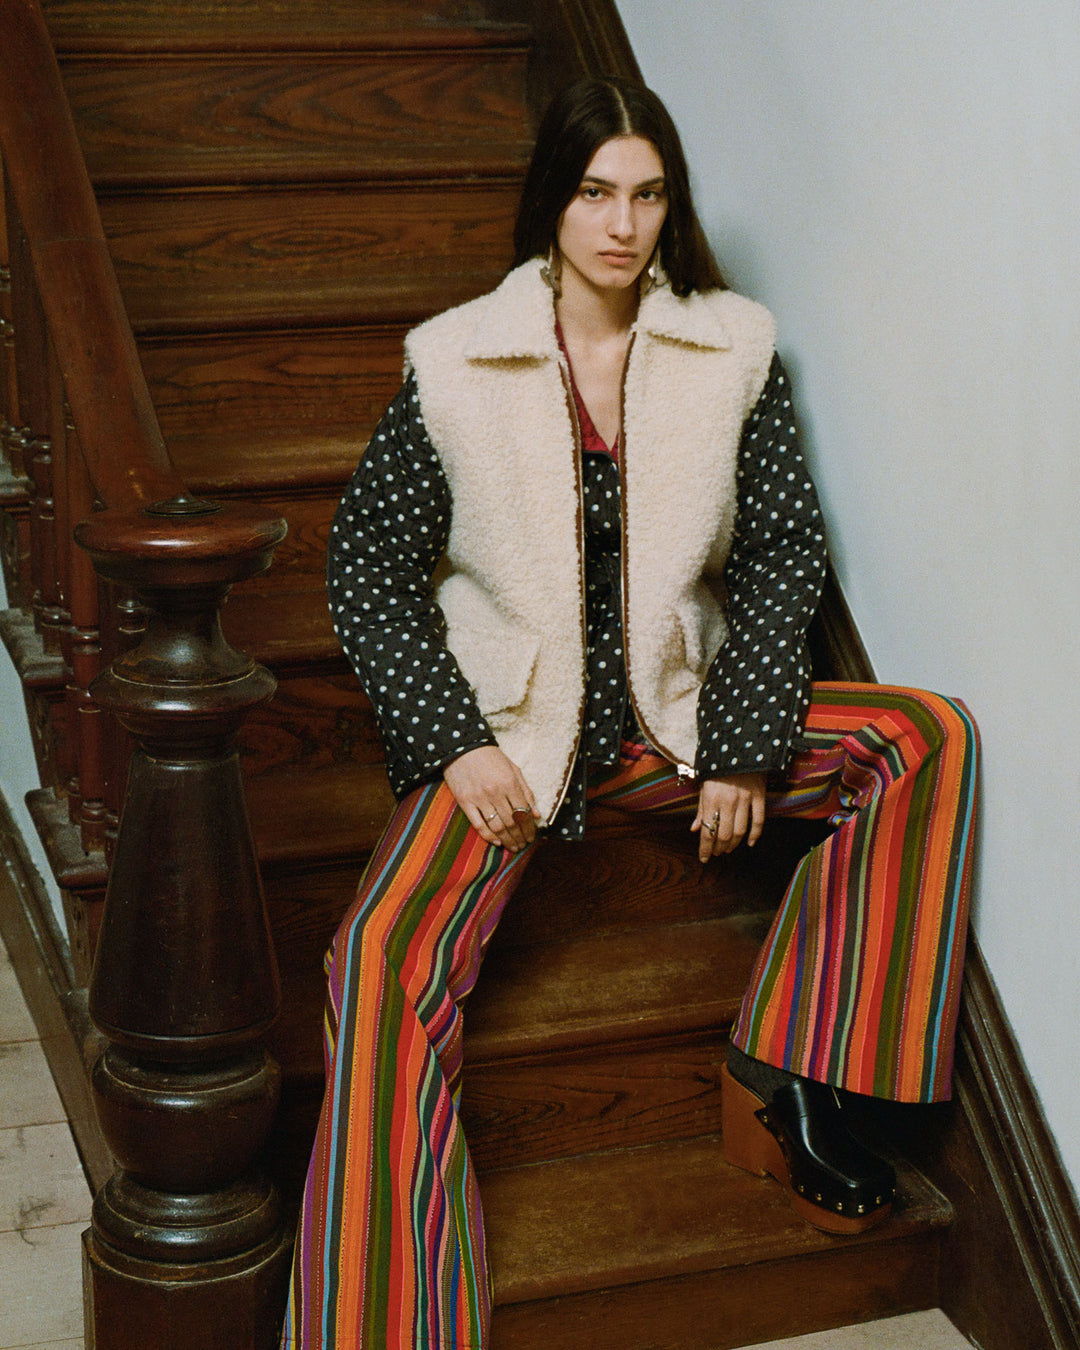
(836, 650)
(1010, 1277)
(572, 38)
(1023, 1167)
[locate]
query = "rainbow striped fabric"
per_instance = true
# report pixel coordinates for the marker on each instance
(858, 981)
(857, 984)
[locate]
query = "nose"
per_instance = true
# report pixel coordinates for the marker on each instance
(621, 222)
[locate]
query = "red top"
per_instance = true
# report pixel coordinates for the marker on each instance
(591, 440)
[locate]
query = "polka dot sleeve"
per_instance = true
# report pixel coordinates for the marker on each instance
(387, 536)
(756, 691)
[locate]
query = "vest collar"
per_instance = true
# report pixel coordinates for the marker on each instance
(517, 320)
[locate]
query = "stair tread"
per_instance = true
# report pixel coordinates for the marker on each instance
(262, 463)
(669, 1209)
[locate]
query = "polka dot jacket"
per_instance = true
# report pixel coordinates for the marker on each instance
(391, 529)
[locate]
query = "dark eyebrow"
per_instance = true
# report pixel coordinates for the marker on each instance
(658, 181)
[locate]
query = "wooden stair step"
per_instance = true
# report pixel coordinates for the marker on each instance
(268, 25)
(543, 1043)
(626, 874)
(573, 1102)
(284, 629)
(312, 723)
(655, 981)
(342, 817)
(668, 1246)
(260, 465)
(250, 412)
(319, 117)
(215, 260)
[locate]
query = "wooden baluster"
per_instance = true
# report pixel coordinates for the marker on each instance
(20, 568)
(85, 716)
(9, 404)
(32, 361)
(187, 1245)
(123, 624)
(12, 480)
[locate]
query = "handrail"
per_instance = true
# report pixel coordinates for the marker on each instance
(106, 388)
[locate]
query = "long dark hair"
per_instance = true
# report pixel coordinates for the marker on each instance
(578, 121)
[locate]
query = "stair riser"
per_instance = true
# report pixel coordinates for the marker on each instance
(265, 25)
(627, 876)
(300, 559)
(270, 258)
(311, 723)
(306, 904)
(249, 411)
(555, 1107)
(331, 117)
(305, 910)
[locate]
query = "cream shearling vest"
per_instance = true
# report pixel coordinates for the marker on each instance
(495, 400)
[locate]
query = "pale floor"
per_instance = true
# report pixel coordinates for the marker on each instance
(45, 1205)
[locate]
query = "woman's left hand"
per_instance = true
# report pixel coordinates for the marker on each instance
(729, 810)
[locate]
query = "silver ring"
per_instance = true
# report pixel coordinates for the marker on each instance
(494, 816)
(520, 811)
(710, 825)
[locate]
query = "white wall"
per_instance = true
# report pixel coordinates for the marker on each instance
(18, 768)
(899, 180)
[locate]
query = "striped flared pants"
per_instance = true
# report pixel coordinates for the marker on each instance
(857, 984)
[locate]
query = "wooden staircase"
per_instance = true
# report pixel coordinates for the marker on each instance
(285, 189)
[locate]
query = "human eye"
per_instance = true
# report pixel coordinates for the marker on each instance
(591, 192)
(652, 194)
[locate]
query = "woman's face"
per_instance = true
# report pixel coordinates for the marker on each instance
(609, 231)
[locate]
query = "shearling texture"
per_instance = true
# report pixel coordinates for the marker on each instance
(496, 408)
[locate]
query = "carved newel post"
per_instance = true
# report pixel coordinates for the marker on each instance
(187, 1247)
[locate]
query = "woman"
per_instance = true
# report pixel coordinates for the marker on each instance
(597, 462)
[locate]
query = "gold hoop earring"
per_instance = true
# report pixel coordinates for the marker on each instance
(552, 271)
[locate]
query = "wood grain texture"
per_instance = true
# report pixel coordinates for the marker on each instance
(334, 117)
(219, 260)
(282, 409)
(650, 982)
(539, 1108)
(661, 1211)
(285, 630)
(626, 873)
(338, 813)
(263, 25)
(720, 1309)
(1010, 1265)
(311, 723)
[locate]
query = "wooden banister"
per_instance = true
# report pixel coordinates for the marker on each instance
(187, 1243)
(124, 448)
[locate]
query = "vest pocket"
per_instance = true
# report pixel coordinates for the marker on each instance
(498, 662)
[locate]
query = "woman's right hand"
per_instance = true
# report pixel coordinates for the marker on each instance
(491, 791)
